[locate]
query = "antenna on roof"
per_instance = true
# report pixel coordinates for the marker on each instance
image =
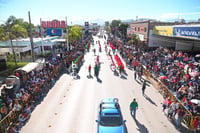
(136, 18)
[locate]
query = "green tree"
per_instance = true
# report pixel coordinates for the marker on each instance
(12, 29)
(26, 25)
(3, 36)
(107, 26)
(74, 33)
(123, 29)
(115, 26)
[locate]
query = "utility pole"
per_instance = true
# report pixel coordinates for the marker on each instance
(67, 34)
(13, 51)
(41, 33)
(31, 38)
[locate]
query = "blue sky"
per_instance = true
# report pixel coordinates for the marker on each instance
(88, 10)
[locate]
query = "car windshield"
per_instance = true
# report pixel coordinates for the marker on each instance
(111, 121)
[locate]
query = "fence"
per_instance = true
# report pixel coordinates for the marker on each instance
(12, 117)
(189, 119)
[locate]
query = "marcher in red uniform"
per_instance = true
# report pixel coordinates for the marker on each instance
(89, 69)
(94, 51)
(98, 59)
(196, 124)
(99, 48)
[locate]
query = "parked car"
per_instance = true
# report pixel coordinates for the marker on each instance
(110, 119)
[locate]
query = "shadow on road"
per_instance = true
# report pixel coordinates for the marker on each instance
(116, 73)
(99, 80)
(147, 81)
(183, 128)
(138, 81)
(149, 99)
(141, 127)
(125, 73)
(123, 77)
(89, 76)
(78, 77)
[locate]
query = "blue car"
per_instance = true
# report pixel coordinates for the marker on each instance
(110, 118)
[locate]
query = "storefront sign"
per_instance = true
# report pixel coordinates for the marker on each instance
(163, 30)
(187, 31)
(53, 24)
(54, 32)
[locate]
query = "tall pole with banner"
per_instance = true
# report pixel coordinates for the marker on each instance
(41, 33)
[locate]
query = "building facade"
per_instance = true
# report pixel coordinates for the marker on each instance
(166, 34)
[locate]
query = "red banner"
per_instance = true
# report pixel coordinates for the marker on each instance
(111, 45)
(119, 62)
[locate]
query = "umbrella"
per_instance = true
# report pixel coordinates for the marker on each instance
(186, 59)
(194, 73)
(195, 101)
(163, 77)
(135, 52)
(198, 55)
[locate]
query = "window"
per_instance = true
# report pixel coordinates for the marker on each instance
(145, 29)
(141, 29)
(138, 28)
(133, 28)
(111, 121)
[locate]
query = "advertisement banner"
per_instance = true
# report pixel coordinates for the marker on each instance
(187, 31)
(129, 31)
(54, 32)
(141, 37)
(163, 30)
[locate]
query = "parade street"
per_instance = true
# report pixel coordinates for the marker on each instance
(71, 106)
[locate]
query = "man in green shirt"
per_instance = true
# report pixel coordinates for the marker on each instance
(133, 108)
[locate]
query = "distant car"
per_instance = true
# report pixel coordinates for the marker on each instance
(110, 118)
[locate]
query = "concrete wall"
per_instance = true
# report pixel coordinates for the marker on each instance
(157, 41)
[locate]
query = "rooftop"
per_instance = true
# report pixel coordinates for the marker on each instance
(26, 41)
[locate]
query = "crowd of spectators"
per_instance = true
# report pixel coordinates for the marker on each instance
(177, 70)
(34, 87)
(181, 73)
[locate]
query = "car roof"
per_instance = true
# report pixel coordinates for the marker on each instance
(109, 100)
(110, 112)
(110, 105)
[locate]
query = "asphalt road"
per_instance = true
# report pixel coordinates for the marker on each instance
(71, 105)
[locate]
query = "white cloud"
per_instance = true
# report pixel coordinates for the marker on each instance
(177, 15)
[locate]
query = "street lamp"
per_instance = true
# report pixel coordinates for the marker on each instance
(9, 34)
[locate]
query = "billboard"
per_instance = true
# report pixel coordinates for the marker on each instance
(189, 31)
(53, 24)
(163, 30)
(54, 32)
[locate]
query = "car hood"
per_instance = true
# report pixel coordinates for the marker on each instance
(118, 129)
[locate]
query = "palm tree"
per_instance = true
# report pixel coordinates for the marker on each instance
(12, 29)
(74, 33)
